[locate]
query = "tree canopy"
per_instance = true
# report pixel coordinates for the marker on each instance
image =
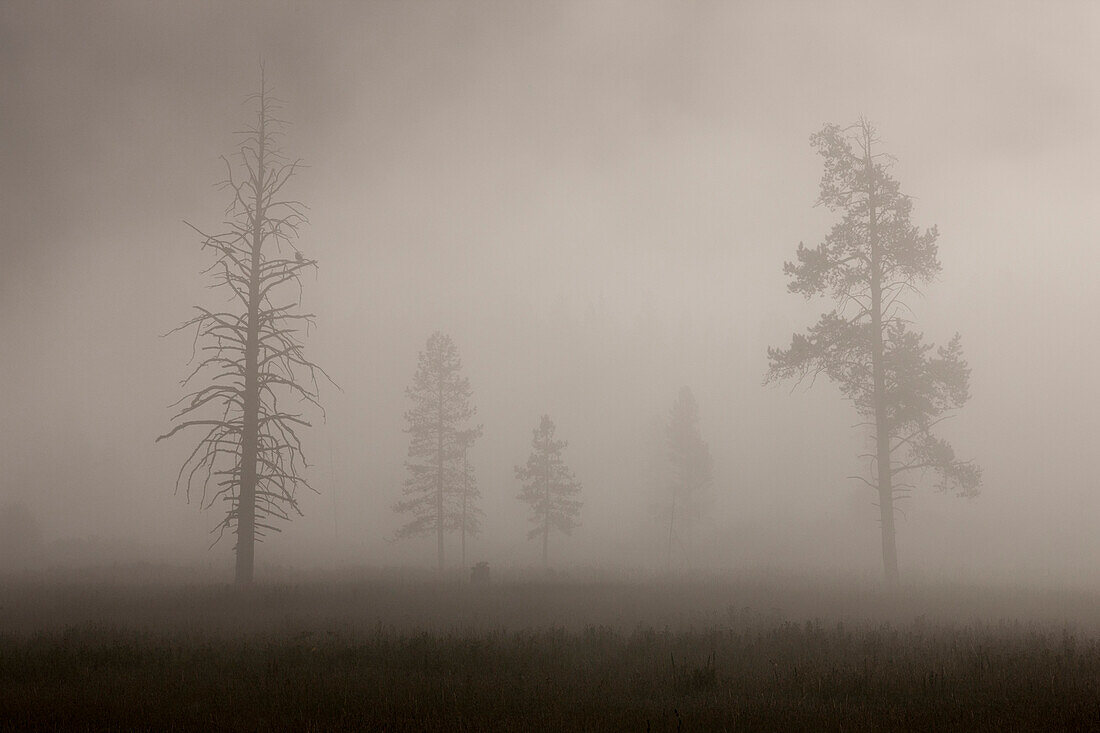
(549, 486)
(439, 495)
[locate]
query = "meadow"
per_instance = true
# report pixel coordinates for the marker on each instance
(394, 651)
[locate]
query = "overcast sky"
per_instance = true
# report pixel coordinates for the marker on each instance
(595, 199)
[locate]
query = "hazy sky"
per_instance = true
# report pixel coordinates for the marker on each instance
(595, 200)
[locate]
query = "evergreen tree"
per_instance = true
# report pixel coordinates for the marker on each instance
(470, 514)
(437, 491)
(549, 487)
(692, 467)
(870, 263)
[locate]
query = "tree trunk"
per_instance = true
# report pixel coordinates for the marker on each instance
(439, 481)
(246, 500)
(465, 490)
(883, 468)
(546, 520)
(671, 518)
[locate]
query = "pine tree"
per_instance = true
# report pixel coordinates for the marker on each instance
(692, 467)
(549, 487)
(870, 263)
(438, 493)
(470, 514)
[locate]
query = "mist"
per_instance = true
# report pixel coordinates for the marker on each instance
(595, 202)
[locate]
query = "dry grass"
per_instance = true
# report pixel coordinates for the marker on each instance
(407, 655)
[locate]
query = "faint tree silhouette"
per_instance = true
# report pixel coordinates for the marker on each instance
(470, 515)
(691, 463)
(440, 491)
(549, 487)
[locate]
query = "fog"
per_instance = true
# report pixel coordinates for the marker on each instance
(595, 201)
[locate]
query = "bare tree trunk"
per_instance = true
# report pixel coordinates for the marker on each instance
(671, 518)
(439, 481)
(883, 468)
(465, 490)
(246, 501)
(546, 520)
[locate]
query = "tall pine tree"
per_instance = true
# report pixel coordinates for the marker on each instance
(437, 491)
(469, 514)
(549, 487)
(871, 262)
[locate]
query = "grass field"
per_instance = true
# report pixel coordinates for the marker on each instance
(390, 654)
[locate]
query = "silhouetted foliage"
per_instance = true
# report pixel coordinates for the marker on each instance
(869, 263)
(469, 516)
(252, 372)
(441, 492)
(692, 467)
(549, 486)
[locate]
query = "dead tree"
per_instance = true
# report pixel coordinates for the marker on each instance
(251, 377)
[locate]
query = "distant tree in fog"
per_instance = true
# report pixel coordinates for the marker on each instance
(549, 487)
(692, 467)
(440, 493)
(20, 536)
(870, 263)
(252, 375)
(469, 518)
